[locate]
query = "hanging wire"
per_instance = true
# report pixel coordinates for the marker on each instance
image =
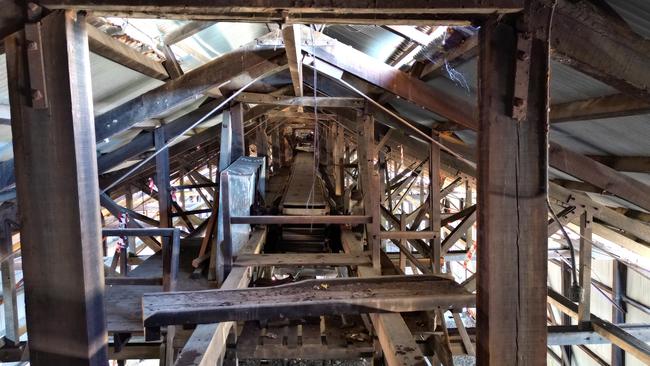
(199, 121)
(568, 239)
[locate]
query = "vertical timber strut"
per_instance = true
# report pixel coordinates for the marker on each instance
(512, 189)
(58, 191)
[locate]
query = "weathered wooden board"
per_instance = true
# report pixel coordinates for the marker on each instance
(307, 298)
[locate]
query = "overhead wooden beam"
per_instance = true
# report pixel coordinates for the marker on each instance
(323, 102)
(636, 164)
(319, 11)
(611, 106)
(599, 175)
(292, 37)
(511, 192)
(114, 50)
(399, 83)
(56, 177)
(393, 80)
(12, 17)
(596, 43)
(188, 87)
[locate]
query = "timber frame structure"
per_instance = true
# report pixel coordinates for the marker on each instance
(312, 187)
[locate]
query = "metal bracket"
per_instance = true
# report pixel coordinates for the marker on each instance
(36, 65)
(522, 76)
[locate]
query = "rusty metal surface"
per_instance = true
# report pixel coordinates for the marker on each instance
(306, 298)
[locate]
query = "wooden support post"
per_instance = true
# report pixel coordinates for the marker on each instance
(58, 190)
(162, 179)
(275, 146)
(619, 285)
(129, 205)
(469, 236)
(339, 145)
(584, 309)
(164, 208)
(370, 185)
(567, 355)
(512, 190)
(434, 204)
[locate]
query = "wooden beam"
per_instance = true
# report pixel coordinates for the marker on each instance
(319, 11)
(599, 175)
(393, 80)
(610, 106)
(457, 110)
(512, 175)
(291, 35)
(306, 298)
(394, 336)
(605, 329)
(596, 43)
(322, 102)
(114, 50)
(635, 164)
(302, 259)
(584, 307)
(256, 62)
(12, 17)
(56, 177)
(208, 341)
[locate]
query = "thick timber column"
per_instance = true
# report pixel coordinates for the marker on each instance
(512, 189)
(58, 191)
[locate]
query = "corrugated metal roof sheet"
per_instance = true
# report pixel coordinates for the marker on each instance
(372, 40)
(635, 12)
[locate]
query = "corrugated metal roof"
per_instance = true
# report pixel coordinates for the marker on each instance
(635, 12)
(621, 136)
(372, 40)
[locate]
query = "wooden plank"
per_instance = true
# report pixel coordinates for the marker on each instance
(114, 50)
(512, 212)
(323, 102)
(305, 298)
(58, 195)
(208, 341)
(302, 259)
(397, 342)
(281, 220)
